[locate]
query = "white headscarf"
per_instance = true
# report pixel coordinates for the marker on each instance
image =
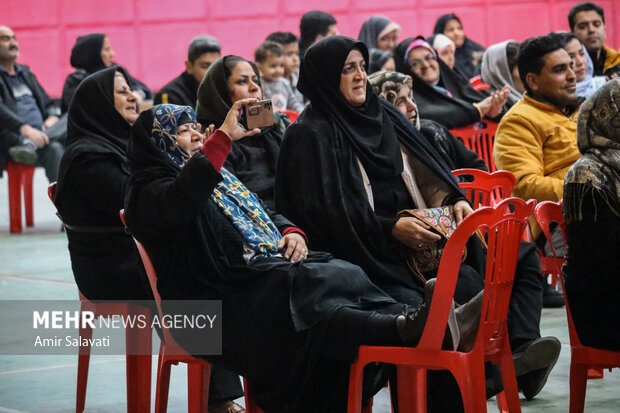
(495, 71)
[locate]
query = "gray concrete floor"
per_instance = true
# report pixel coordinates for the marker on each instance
(36, 265)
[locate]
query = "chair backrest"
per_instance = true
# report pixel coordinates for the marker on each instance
(503, 230)
(546, 213)
(486, 189)
(478, 84)
(292, 115)
(479, 138)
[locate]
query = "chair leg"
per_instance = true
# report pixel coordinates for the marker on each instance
(509, 379)
(198, 378)
(356, 377)
(82, 375)
(138, 342)
(27, 188)
(472, 387)
(411, 384)
(163, 382)
(15, 199)
(578, 383)
(502, 403)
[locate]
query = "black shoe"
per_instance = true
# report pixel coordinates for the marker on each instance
(468, 321)
(533, 362)
(25, 153)
(552, 298)
(410, 324)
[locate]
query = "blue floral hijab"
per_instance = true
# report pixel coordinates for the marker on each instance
(241, 207)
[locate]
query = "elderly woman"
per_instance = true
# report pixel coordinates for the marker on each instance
(292, 319)
(591, 208)
(468, 52)
(351, 162)
(442, 95)
(93, 178)
(253, 160)
(90, 53)
(379, 32)
(499, 68)
(445, 48)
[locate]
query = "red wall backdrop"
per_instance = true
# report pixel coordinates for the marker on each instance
(150, 37)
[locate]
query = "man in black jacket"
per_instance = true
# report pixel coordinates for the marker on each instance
(182, 90)
(25, 111)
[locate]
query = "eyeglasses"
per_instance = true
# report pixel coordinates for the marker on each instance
(415, 63)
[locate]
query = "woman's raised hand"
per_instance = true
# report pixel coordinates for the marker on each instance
(231, 125)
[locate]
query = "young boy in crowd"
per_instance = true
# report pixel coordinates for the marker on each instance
(290, 44)
(269, 57)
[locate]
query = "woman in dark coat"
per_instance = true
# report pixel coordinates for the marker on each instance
(253, 159)
(93, 179)
(468, 53)
(90, 53)
(292, 320)
(441, 94)
(591, 208)
(347, 131)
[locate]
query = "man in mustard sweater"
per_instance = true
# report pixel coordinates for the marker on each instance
(587, 21)
(537, 139)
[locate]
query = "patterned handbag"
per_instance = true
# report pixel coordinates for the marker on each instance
(441, 221)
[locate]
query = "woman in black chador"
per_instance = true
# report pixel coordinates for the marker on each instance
(292, 319)
(352, 161)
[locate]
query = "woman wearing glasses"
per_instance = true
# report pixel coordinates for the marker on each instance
(443, 95)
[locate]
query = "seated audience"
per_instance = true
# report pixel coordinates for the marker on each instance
(290, 44)
(499, 68)
(468, 53)
(587, 21)
(313, 26)
(591, 208)
(536, 139)
(350, 163)
(582, 66)
(380, 60)
(90, 53)
(445, 48)
(379, 32)
(292, 319)
(104, 259)
(443, 95)
(183, 90)
(397, 89)
(253, 160)
(26, 113)
(269, 58)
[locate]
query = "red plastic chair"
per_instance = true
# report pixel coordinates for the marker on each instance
(292, 115)
(170, 353)
(20, 181)
(504, 230)
(138, 344)
(585, 362)
(478, 84)
(479, 138)
(486, 189)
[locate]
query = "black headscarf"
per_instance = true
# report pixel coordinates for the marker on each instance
(92, 114)
(372, 28)
(378, 58)
(451, 111)
(86, 52)
(366, 127)
(464, 55)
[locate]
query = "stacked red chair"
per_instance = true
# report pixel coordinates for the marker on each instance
(479, 137)
(503, 229)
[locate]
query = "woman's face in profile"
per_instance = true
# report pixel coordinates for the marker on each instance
(243, 83)
(577, 55)
(125, 101)
(455, 32)
(353, 79)
(107, 54)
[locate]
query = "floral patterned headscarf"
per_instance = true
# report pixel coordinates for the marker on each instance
(166, 120)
